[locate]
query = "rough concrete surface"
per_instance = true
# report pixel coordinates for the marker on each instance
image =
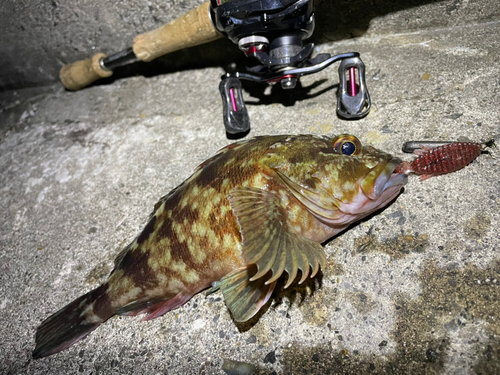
(414, 289)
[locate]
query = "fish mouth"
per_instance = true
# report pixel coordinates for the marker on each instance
(379, 187)
(376, 189)
(382, 178)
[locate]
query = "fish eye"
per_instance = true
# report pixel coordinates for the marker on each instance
(346, 144)
(348, 148)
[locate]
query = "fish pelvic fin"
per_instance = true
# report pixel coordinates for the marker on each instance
(243, 297)
(270, 241)
(73, 322)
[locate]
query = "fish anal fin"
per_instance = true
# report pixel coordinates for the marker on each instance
(269, 240)
(154, 308)
(161, 308)
(243, 297)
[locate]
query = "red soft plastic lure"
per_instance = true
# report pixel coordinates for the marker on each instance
(443, 159)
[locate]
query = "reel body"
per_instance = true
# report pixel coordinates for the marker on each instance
(272, 32)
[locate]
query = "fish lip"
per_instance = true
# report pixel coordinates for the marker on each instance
(387, 178)
(392, 164)
(395, 178)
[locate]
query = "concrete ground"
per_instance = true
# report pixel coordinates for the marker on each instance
(412, 290)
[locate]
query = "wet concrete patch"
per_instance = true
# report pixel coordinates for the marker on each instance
(317, 307)
(477, 226)
(396, 248)
(361, 301)
(457, 310)
(451, 300)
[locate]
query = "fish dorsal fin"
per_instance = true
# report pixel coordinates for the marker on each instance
(243, 297)
(269, 241)
(122, 255)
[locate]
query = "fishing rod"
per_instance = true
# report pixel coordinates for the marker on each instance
(271, 32)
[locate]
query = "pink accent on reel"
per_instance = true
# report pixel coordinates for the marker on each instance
(352, 81)
(233, 100)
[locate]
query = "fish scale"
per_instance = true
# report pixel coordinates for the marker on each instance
(256, 210)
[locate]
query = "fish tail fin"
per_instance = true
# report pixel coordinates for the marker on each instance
(73, 322)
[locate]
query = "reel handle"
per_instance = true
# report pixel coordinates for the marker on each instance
(189, 30)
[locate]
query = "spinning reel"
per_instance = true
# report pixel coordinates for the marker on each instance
(272, 32)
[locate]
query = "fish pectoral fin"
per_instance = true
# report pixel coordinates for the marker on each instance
(243, 297)
(153, 307)
(269, 241)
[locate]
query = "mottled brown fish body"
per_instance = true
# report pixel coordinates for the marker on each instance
(255, 210)
(193, 237)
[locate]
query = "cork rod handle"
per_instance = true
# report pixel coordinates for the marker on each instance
(189, 30)
(77, 75)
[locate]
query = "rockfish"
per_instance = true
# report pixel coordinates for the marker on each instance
(257, 209)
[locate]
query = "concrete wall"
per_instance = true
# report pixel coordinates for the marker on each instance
(38, 37)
